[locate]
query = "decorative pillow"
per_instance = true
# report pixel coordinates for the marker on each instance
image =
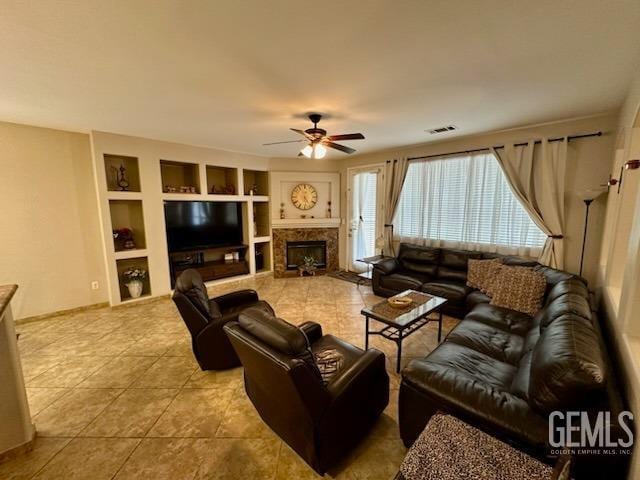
(329, 362)
(481, 273)
(518, 288)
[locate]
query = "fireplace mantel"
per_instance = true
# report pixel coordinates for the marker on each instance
(306, 223)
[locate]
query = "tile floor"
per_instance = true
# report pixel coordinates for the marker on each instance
(116, 394)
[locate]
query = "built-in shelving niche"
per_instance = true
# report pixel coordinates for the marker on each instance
(122, 173)
(179, 177)
(130, 263)
(256, 180)
(127, 214)
(263, 257)
(261, 219)
(222, 180)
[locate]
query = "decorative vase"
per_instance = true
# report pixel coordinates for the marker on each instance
(135, 288)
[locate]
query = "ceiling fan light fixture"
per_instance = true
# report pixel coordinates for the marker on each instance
(319, 151)
(307, 151)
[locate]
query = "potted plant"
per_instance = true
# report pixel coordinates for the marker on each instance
(134, 280)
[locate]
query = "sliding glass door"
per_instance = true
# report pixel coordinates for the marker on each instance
(364, 225)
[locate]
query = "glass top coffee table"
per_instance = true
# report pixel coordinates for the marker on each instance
(402, 322)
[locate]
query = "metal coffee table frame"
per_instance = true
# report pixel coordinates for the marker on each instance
(403, 326)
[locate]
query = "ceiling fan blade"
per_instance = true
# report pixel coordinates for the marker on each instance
(342, 148)
(288, 141)
(347, 136)
(305, 134)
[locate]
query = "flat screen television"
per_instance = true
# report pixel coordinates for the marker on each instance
(199, 225)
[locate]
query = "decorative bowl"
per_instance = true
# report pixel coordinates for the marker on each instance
(399, 302)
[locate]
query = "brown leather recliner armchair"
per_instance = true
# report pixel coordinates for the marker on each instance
(320, 417)
(205, 317)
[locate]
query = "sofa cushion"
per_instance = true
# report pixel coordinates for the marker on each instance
(564, 287)
(454, 264)
(518, 288)
(467, 362)
(475, 297)
(567, 365)
(520, 384)
(571, 303)
(419, 259)
(400, 282)
(554, 276)
(488, 339)
(500, 317)
(465, 395)
(512, 260)
(279, 335)
(455, 292)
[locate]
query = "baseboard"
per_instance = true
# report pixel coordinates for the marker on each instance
(58, 313)
(18, 450)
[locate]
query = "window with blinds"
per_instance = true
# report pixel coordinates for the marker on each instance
(463, 199)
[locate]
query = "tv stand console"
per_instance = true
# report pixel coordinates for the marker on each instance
(209, 262)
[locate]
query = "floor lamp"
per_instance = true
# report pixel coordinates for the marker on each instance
(587, 197)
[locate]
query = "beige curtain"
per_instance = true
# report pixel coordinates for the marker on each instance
(536, 174)
(394, 173)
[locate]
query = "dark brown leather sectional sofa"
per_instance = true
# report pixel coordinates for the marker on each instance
(501, 370)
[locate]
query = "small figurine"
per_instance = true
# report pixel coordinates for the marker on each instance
(123, 183)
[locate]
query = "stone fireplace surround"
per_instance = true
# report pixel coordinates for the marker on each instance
(282, 235)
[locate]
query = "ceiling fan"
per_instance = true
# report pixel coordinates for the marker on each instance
(318, 140)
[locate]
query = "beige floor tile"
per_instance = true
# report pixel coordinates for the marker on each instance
(290, 466)
(35, 364)
(25, 466)
(89, 458)
(374, 459)
(387, 424)
(167, 372)
(119, 372)
(132, 414)
(68, 415)
(41, 398)
(194, 412)
(68, 373)
(216, 379)
(31, 343)
(73, 344)
(147, 348)
(165, 459)
(240, 459)
(241, 420)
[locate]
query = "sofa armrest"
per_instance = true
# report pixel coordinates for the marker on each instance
(357, 378)
(312, 330)
(387, 266)
(235, 299)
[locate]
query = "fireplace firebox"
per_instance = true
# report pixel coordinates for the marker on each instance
(297, 251)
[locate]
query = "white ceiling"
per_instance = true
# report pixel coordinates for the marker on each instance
(234, 74)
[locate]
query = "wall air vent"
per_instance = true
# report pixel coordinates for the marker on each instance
(448, 128)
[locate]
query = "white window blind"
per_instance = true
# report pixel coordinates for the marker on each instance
(464, 201)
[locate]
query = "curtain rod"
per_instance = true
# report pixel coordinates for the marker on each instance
(521, 144)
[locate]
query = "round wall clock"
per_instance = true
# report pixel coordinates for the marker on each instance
(304, 196)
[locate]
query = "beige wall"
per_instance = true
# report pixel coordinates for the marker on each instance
(50, 241)
(149, 153)
(589, 162)
(619, 275)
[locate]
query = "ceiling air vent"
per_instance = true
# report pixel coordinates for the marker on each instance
(448, 128)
